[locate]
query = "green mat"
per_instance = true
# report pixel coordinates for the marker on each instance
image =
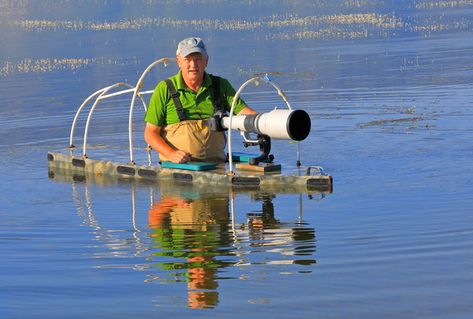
(192, 166)
(243, 157)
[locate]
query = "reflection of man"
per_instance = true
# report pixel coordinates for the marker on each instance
(193, 230)
(202, 284)
(193, 243)
(176, 125)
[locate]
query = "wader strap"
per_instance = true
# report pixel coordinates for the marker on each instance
(177, 103)
(217, 99)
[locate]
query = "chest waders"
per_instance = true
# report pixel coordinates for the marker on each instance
(196, 137)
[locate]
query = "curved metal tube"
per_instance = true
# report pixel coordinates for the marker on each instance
(91, 111)
(235, 98)
(101, 91)
(132, 104)
(130, 123)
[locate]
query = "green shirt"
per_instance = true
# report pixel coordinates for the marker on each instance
(197, 105)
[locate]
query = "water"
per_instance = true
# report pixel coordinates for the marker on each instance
(389, 88)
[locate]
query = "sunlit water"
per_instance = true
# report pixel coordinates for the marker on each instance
(389, 88)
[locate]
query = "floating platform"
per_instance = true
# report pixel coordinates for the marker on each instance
(303, 179)
(251, 172)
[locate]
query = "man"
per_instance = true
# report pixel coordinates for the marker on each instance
(176, 120)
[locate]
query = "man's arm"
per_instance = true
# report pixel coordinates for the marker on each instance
(153, 137)
(247, 110)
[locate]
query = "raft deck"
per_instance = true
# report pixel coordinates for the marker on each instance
(303, 179)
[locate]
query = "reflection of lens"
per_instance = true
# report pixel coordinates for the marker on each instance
(303, 234)
(304, 262)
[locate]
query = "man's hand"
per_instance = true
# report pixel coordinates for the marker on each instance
(153, 137)
(179, 156)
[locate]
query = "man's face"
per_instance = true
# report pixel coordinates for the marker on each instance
(192, 66)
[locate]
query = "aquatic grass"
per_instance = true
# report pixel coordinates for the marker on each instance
(19, 7)
(391, 121)
(44, 65)
(272, 27)
(341, 26)
(327, 33)
(9, 8)
(443, 4)
(373, 19)
(461, 24)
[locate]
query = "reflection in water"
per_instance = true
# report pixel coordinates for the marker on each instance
(194, 238)
(188, 233)
(117, 245)
(266, 231)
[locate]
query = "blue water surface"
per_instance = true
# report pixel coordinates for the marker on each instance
(388, 85)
